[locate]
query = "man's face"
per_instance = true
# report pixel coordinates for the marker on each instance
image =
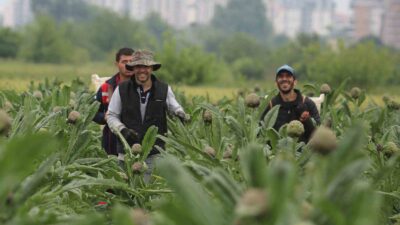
(142, 73)
(121, 65)
(285, 82)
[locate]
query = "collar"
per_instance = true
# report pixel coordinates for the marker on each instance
(298, 97)
(114, 80)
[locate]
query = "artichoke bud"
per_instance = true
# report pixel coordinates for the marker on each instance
(137, 167)
(8, 106)
(5, 123)
(386, 99)
(390, 149)
(391, 104)
(228, 152)
(136, 149)
(73, 117)
(325, 89)
(253, 203)
(139, 217)
(38, 95)
(295, 128)
(207, 116)
(323, 141)
(72, 103)
(355, 92)
(252, 100)
(210, 151)
(56, 109)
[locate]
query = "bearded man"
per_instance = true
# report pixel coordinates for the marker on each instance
(293, 105)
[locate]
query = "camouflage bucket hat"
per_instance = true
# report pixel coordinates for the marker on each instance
(144, 57)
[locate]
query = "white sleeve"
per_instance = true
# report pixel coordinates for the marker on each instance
(172, 103)
(113, 115)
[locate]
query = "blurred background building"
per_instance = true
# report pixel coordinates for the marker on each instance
(366, 18)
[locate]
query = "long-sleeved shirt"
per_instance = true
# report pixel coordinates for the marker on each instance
(113, 115)
(289, 111)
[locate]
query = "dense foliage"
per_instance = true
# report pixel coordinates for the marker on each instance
(216, 168)
(74, 32)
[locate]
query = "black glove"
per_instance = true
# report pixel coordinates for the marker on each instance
(130, 136)
(183, 116)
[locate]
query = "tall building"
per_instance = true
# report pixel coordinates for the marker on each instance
(17, 13)
(291, 17)
(367, 18)
(391, 23)
(177, 13)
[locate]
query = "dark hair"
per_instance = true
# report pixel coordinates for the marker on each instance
(123, 51)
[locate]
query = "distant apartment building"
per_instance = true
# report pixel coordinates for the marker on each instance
(377, 18)
(291, 17)
(367, 18)
(16, 13)
(391, 23)
(177, 13)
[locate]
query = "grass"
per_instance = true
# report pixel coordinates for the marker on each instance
(212, 93)
(18, 75)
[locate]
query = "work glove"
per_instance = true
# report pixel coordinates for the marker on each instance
(183, 116)
(302, 113)
(130, 136)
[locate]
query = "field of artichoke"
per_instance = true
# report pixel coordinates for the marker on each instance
(222, 167)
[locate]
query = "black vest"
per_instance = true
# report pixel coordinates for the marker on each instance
(155, 110)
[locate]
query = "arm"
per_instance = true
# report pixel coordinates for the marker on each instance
(312, 110)
(114, 112)
(314, 113)
(173, 106)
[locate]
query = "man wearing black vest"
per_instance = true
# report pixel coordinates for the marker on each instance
(293, 105)
(141, 102)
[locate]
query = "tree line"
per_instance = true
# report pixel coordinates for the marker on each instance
(228, 49)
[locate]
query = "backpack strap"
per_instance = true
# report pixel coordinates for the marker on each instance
(270, 104)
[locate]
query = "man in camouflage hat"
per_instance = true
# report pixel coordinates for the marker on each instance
(293, 105)
(141, 102)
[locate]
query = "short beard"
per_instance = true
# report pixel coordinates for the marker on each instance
(285, 92)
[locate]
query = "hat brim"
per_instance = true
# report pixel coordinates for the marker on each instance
(154, 65)
(285, 70)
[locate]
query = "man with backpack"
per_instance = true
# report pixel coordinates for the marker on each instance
(293, 105)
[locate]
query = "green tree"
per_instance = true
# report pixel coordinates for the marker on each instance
(249, 68)
(44, 42)
(243, 16)
(241, 45)
(188, 65)
(61, 11)
(109, 31)
(9, 43)
(365, 65)
(297, 53)
(156, 26)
